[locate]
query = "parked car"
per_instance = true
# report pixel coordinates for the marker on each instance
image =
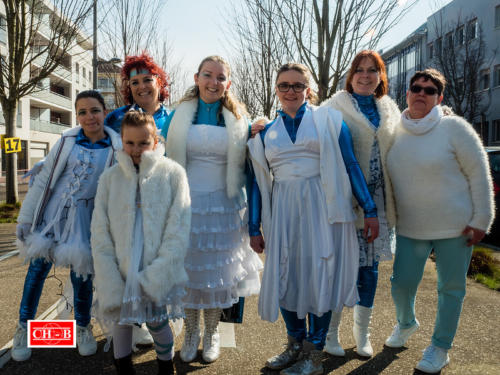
(493, 238)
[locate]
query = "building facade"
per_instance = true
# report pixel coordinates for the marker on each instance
(46, 113)
(454, 29)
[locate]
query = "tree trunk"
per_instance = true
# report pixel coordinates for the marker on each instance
(10, 115)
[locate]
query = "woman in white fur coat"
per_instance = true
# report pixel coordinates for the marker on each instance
(207, 134)
(372, 118)
(140, 233)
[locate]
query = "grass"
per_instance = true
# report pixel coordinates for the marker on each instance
(9, 212)
(484, 268)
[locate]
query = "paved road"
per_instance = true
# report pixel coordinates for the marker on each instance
(475, 352)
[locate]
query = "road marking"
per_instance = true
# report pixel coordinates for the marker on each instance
(227, 338)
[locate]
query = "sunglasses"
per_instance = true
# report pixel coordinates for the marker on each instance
(285, 87)
(428, 90)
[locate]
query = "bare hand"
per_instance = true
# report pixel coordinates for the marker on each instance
(258, 126)
(257, 243)
(371, 228)
(475, 235)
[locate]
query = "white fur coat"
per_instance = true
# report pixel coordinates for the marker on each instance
(166, 210)
(237, 131)
(363, 136)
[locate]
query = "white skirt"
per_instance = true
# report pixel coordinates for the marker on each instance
(220, 263)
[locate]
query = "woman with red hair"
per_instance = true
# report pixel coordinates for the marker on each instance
(144, 88)
(371, 117)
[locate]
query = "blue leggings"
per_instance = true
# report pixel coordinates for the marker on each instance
(33, 285)
(318, 327)
(367, 284)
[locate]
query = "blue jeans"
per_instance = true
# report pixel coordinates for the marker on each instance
(452, 261)
(367, 284)
(33, 285)
(318, 327)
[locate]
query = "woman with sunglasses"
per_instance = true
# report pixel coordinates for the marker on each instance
(444, 201)
(371, 117)
(305, 166)
(144, 88)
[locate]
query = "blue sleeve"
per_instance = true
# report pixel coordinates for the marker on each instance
(112, 121)
(358, 182)
(166, 125)
(254, 208)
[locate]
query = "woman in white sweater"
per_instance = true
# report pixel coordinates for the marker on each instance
(444, 200)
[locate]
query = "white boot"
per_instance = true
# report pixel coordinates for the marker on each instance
(85, 340)
(191, 336)
(332, 345)
(20, 350)
(141, 336)
(361, 330)
(211, 339)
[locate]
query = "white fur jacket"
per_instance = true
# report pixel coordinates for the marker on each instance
(363, 136)
(237, 131)
(166, 210)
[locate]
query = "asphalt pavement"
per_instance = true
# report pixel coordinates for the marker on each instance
(476, 347)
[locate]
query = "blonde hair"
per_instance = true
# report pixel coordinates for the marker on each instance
(137, 119)
(304, 70)
(229, 101)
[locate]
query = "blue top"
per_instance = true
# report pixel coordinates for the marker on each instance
(114, 119)
(83, 140)
(356, 177)
(368, 108)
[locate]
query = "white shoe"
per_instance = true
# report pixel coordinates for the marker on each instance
(361, 330)
(332, 344)
(309, 364)
(399, 336)
(211, 339)
(20, 351)
(85, 341)
(191, 336)
(141, 336)
(433, 360)
(288, 357)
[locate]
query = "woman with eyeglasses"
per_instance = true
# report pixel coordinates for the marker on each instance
(144, 88)
(372, 118)
(444, 201)
(306, 174)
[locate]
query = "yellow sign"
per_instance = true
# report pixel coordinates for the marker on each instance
(12, 145)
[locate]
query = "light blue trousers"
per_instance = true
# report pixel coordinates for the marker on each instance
(452, 261)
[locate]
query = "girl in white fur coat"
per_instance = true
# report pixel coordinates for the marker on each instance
(140, 232)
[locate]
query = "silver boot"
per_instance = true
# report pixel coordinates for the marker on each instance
(211, 338)
(332, 344)
(287, 357)
(309, 364)
(191, 336)
(361, 330)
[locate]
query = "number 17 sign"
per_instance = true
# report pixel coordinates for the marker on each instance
(11, 144)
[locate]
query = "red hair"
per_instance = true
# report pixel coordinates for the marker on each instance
(143, 61)
(383, 87)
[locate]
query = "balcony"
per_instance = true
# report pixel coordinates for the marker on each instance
(53, 98)
(19, 121)
(61, 71)
(48, 126)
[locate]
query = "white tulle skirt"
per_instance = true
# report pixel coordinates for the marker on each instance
(220, 263)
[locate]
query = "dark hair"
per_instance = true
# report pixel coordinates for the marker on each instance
(143, 61)
(91, 94)
(302, 69)
(431, 74)
(137, 119)
(383, 87)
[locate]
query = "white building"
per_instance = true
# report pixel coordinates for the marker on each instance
(45, 114)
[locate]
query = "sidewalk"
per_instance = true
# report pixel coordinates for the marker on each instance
(476, 348)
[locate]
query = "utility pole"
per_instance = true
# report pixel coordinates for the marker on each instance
(94, 60)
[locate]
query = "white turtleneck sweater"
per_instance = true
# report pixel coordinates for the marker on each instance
(440, 177)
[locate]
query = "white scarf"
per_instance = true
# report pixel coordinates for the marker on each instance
(422, 125)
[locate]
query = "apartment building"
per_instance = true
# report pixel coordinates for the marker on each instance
(455, 24)
(46, 113)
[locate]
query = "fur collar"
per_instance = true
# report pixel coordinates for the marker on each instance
(148, 161)
(237, 131)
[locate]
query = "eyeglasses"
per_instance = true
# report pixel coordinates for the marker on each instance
(428, 90)
(285, 87)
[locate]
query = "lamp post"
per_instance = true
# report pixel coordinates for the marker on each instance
(94, 57)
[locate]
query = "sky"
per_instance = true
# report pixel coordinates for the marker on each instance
(195, 28)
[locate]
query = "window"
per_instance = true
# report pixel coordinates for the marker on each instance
(90, 76)
(439, 47)
(496, 77)
(459, 36)
(77, 72)
(431, 51)
(448, 41)
(484, 79)
(3, 30)
(497, 16)
(496, 130)
(472, 30)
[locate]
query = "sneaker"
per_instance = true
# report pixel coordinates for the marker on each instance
(287, 357)
(211, 347)
(433, 360)
(309, 365)
(399, 335)
(85, 341)
(190, 346)
(20, 351)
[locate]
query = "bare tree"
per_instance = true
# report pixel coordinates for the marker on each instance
(62, 22)
(327, 34)
(459, 52)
